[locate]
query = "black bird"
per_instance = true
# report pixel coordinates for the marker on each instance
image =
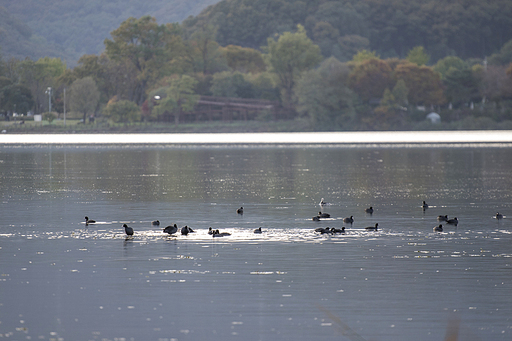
(216, 233)
(425, 205)
(442, 218)
(349, 220)
(155, 223)
(499, 215)
(240, 210)
(335, 230)
(372, 228)
(210, 230)
(89, 221)
(185, 230)
(438, 228)
(316, 218)
(128, 230)
(323, 215)
(171, 229)
(369, 210)
(258, 230)
(453, 221)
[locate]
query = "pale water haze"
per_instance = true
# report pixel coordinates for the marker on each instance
(63, 280)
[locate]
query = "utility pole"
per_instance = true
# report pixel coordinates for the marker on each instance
(49, 92)
(64, 106)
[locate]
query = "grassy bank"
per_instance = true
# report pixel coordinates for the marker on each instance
(295, 125)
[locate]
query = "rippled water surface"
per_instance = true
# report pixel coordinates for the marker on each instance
(63, 280)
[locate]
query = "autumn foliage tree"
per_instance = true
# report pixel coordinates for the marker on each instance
(423, 83)
(370, 78)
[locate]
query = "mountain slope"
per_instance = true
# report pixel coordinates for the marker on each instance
(79, 27)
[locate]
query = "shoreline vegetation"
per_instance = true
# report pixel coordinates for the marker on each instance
(315, 71)
(74, 126)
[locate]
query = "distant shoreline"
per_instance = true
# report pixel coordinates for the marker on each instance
(485, 137)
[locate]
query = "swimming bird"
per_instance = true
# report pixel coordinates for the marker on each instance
(216, 233)
(210, 230)
(335, 230)
(316, 218)
(372, 228)
(89, 221)
(155, 223)
(438, 228)
(185, 230)
(369, 210)
(240, 210)
(171, 229)
(349, 220)
(258, 230)
(442, 218)
(322, 230)
(128, 230)
(425, 205)
(453, 221)
(499, 215)
(323, 215)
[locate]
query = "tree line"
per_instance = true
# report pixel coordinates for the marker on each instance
(148, 71)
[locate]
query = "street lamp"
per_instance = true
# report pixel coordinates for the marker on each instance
(49, 92)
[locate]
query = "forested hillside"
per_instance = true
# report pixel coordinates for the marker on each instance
(345, 64)
(466, 28)
(73, 28)
(17, 40)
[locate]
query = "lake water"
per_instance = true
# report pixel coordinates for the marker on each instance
(62, 280)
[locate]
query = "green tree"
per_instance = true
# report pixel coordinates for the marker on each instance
(264, 85)
(122, 111)
(15, 98)
(504, 57)
(242, 59)
(231, 84)
(324, 97)
(148, 47)
(289, 57)
(84, 96)
(400, 93)
(364, 55)
(203, 53)
(38, 76)
(418, 56)
(461, 85)
(451, 62)
(179, 96)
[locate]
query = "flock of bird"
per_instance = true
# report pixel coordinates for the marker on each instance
(185, 230)
(173, 229)
(369, 210)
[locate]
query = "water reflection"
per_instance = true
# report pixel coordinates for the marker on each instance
(404, 278)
